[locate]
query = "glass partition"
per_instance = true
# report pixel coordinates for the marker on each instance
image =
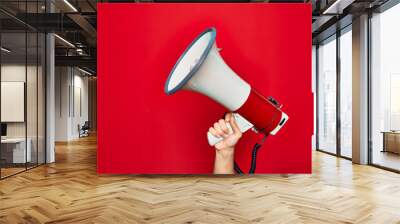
(32, 95)
(41, 107)
(22, 101)
(327, 95)
(15, 151)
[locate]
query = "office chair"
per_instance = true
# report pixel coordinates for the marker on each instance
(84, 130)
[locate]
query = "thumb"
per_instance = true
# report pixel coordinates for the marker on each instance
(234, 125)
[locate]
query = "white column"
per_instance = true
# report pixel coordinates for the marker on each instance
(63, 99)
(50, 99)
(50, 92)
(360, 90)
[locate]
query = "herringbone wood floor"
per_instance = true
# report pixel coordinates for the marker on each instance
(70, 191)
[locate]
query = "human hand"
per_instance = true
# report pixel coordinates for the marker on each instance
(224, 153)
(230, 137)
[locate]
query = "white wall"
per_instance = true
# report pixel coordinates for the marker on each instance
(34, 126)
(79, 117)
(62, 82)
(9, 73)
(71, 93)
(16, 73)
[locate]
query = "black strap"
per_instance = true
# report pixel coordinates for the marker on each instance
(254, 158)
(253, 165)
(237, 169)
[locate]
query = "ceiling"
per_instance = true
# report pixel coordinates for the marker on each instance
(329, 16)
(72, 20)
(75, 23)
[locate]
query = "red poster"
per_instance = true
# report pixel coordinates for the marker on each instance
(142, 130)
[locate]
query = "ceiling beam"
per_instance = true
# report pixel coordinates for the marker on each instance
(81, 61)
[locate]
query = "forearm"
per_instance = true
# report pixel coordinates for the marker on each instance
(224, 161)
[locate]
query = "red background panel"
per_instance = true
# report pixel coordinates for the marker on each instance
(142, 130)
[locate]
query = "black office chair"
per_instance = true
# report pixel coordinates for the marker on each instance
(84, 130)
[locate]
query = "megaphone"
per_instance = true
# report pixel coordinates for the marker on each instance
(202, 69)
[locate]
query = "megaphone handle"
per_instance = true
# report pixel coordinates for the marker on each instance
(212, 140)
(242, 123)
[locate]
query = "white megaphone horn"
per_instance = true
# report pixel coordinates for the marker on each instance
(202, 69)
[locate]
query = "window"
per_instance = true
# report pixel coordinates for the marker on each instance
(346, 93)
(314, 87)
(327, 96)
(385, 89)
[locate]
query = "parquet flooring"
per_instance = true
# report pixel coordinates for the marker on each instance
(10, 171)
(70, 191)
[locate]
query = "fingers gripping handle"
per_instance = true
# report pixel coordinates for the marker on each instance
(212, 139)
(242, 123)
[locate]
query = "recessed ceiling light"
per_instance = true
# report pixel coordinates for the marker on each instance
(5, 50)
(65, 41)
(84, 71)
(70, 5)
(337, 7)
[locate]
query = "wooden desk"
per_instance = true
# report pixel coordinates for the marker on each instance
(13, 150)
(391, 141)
